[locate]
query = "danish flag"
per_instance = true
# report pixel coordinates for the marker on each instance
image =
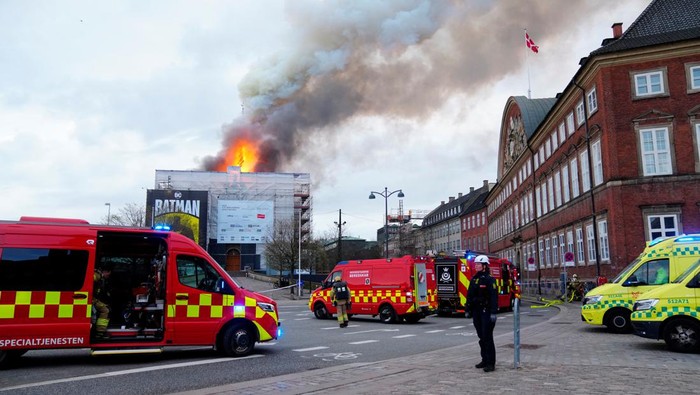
(531, 44)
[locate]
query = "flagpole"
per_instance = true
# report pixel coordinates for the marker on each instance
(527, 63)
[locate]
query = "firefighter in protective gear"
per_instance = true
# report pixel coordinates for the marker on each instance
(340, 295)
(482, 302)
(101, 299)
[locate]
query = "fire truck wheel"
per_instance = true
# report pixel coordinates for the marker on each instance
(320, 311)
(682, 335)
(239, 340)
(7, 358)
(618, 320)
(387, 314)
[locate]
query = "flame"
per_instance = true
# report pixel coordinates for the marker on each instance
(243, 152)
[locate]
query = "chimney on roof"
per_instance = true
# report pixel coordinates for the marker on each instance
(452, 198)
(471, 189)
(442, 202)
(486, 183)
(617, 29)
(460, 195)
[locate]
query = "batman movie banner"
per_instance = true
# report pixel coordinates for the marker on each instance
(184, 211)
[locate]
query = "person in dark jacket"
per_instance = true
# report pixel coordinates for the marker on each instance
(482, 302)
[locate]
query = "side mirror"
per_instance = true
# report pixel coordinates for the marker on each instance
(222, 287)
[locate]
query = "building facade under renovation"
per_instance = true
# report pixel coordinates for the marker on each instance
(231, 214)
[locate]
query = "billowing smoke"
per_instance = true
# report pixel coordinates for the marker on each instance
(388, 58)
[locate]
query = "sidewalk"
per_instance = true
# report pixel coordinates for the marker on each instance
(561, 355)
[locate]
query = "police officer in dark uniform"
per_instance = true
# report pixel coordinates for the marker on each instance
(482, 302)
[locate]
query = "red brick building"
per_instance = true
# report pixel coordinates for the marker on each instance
(610, 163)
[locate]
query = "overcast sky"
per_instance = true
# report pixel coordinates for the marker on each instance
(362, 94)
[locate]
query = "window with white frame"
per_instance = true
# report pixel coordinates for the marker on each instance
(562, 132)
(694, 77)
(545, 207)
(557, 188)
(541, 247)
(539, 201)
(483, 218)
(550, 189)
(590, 239)
(547, 255)
(597, 163)
(579, 246)
(592, 99)
(562, 249)
(565, 182)
(555, 251)
(555, 140)
(547, 149)
(656, 153)
(570, 241)
(570, 127)
(580, 114)
(649, 84)
(662, 225)
(574, 178)
(529, 207)
(603, 240)
(585, 171)
(697, 138)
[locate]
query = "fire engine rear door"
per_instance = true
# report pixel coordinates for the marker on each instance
(421, 284)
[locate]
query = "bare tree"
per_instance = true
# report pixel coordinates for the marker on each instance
(132, 214)
(282, 248)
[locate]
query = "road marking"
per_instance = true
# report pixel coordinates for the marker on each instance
(435, 331)
(302, 319)
(129, 371)
(364, 342)
(402, 336)
(336, 327)
(310, 349)
(303, 314)
(457, 327)
(372, 330)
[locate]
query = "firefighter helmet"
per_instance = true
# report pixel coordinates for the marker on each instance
(483, 259)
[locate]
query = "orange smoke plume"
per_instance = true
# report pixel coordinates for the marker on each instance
(243, 152)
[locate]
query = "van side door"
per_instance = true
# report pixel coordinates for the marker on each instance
(647, 276)
(197, 306)
(44, 295)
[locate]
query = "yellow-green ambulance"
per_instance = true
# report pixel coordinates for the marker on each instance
(611, 304)
(672, 312)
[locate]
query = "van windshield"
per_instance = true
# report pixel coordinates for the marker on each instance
(623, 274)
(687, 272)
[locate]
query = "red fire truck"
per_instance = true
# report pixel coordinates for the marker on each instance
(453, 276)
(165, 290)
(394, 289)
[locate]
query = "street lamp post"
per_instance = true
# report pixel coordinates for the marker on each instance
(386, 195)
(109, 211)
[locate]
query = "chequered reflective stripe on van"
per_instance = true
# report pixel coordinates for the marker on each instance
(686, 250)
(42, 304)
(609, 304)
(665, 312)
(205, 305)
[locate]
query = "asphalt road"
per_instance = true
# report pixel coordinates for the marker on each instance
(306, 344)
